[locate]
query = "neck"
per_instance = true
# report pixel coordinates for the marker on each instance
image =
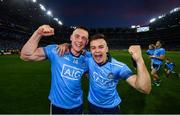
(105, 60)
(108, 58)
(75, 53)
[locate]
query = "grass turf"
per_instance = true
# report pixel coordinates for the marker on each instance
(24, 87)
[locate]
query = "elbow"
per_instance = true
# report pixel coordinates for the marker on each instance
(146, 89)
(24, 57)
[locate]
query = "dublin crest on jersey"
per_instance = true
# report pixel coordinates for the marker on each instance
(110, 76)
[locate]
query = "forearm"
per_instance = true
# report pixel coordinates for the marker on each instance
(143, 81)
(31, 45)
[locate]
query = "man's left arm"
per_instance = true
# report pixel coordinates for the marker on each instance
(141, 81)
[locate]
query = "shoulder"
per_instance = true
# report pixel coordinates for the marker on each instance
(117, 63)
(51, 46)
(162, 49)
(87, 54)
(49, 49)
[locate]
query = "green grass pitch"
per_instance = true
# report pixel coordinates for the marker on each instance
(24, 87)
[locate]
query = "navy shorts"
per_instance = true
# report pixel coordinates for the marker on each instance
(58, 110)
(92, 109)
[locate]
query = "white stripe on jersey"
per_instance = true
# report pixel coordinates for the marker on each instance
(116, 63)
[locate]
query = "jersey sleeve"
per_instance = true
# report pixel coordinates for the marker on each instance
(163, 51)
(87, 57)
(88, 54)
(147, 52)
(125, 72)
(49, 51)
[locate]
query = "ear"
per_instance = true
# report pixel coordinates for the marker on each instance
(87, 41)
(71, 37)
(107, 49)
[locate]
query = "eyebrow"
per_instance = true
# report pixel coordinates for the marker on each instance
(98, 45)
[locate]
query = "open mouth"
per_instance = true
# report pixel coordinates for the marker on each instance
(78, 45)
(98, 57)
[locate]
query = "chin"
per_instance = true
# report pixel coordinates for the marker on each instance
(98, 62)
(78, 50)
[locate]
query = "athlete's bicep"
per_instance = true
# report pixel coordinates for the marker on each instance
(38, 55)
(162, 57)
(132, 80)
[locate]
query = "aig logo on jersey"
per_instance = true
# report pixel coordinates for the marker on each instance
(71, 72)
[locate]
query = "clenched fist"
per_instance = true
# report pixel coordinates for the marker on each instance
(135, 51)
(45, 30)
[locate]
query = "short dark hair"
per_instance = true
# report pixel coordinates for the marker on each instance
(152, 45)
(162, 42)
(98, 36)
(81, 27)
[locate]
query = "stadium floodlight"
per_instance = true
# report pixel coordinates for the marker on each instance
(174, 10)
(152, 20)
(133, 26)
(161, 16)
(171, 11)
(49, 13)
(73, 27)
(138, 26)
(56, 19)
(143, 29)
(34, 1)
(42, 7)
(60, 23)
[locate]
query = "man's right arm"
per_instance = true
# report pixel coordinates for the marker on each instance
(30, 51)
(140, 81)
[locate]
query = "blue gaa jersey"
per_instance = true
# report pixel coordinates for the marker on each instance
(150, 52)
(66, 72)
(103, 81)
(169, 66)
(158, 52)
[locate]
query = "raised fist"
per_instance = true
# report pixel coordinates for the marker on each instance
(45, 30)
(135, 51)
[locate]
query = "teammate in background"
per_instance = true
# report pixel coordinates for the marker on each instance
(105, 72)
(157, 59)
(66, 94)
(150, 52)
(169, 68)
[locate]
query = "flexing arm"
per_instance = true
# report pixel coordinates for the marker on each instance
(141, 81)
(30, 51)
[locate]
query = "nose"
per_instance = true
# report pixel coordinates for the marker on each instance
(80, 39)
(97, 50)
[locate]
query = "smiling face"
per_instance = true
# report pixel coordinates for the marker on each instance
(158, 44)
(151, 47)
(79, 40)
(99, 49)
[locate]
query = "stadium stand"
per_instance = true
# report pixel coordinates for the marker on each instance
(19, 20)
